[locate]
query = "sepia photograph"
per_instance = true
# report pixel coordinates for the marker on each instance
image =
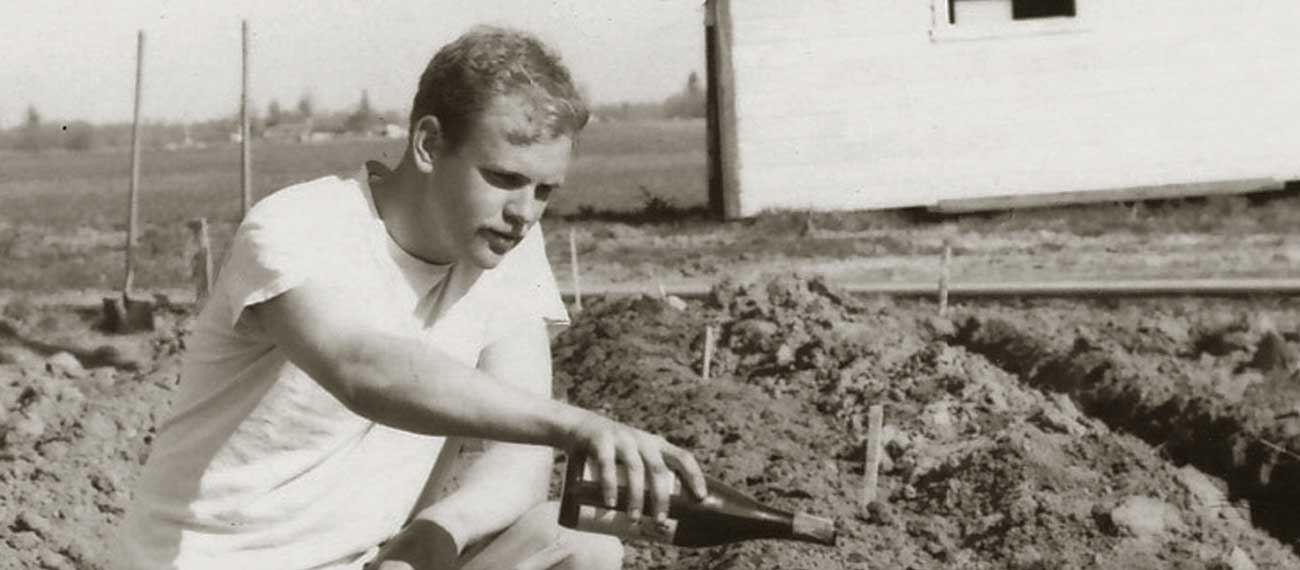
(649, 285)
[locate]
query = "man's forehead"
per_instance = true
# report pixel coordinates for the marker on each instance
(504, 140)
(518, 118)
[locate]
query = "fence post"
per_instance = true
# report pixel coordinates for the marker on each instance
(245, 133)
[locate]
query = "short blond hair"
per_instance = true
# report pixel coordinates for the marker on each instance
(487, 62)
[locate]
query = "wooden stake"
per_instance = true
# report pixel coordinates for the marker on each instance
(122, 314)
(663, 293)
(573, 263)
(944, 276)
(245, 133)
(133, 213)
(871, 470)
(709, 341)
(201, 265)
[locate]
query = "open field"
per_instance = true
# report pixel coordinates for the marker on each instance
(634, 200)
(63, 216)
(615, 161)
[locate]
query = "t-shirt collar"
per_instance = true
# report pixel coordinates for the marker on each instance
(409, 264)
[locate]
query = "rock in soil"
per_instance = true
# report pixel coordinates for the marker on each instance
(1145, 518)
(66, 364)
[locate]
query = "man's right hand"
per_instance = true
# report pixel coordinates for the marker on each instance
(649, 459)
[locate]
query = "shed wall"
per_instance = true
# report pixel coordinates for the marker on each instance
(847, 104)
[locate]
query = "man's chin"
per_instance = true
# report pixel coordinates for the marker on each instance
(485, 258)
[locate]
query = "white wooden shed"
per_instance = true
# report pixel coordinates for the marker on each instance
(865, 104)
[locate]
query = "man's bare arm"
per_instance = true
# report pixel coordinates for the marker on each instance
(507, 479)
(402, 382)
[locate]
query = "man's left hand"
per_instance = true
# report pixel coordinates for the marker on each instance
(422, 545)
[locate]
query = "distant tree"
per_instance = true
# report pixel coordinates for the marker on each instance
(364, 119)
(30, 139)
(693, 84)
(274, 114)
(256, 124)
(364, 107)
(690, 103)
(629, 111)
(306, 107)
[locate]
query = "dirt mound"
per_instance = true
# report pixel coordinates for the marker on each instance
(982, 471)
(75, 425)
(982, 468)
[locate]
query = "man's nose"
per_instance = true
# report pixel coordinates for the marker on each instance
(521, 208)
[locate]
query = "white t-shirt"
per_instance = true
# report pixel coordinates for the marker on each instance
(260, 467)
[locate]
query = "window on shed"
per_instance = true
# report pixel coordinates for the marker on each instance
(1029, 9)
(976, 11)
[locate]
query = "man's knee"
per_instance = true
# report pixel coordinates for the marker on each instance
(593, 551)
(589, 551)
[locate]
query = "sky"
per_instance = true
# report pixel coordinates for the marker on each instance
(75, 59)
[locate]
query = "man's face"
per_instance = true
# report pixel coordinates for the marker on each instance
(485, 195)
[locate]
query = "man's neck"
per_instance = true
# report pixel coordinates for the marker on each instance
(394, 192)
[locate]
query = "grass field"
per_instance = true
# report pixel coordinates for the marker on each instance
(63, 215)
(635, 197)
(617, 164)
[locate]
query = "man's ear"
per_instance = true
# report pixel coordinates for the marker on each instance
(426, 142)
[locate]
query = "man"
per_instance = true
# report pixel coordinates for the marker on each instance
(360, 322)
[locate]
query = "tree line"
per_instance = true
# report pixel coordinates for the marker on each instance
(689, 103)
(36, 134)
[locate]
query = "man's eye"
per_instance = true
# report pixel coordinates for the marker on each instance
(504, 180)
(544, 191)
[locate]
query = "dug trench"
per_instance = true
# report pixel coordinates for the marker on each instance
(1242, 426)
(989, 463)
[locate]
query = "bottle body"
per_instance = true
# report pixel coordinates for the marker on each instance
(724, 516)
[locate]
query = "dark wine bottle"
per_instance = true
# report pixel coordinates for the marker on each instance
(725, 515)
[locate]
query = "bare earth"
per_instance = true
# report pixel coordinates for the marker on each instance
(1103, 433)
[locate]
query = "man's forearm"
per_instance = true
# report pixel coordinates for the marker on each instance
(412, 386)
(497, 488)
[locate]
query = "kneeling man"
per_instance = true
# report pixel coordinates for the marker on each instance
(363, 326)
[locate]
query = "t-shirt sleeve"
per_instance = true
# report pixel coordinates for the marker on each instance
(527, 290)
(272, 252)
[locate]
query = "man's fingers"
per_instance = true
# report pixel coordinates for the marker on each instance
(661, 483)
(683, 462)
(608, 474)
(635, 480)
(546, 558)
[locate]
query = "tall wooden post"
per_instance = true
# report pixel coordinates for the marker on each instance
(245, 134)
(133, 214)
(121, 313)
(714, 142)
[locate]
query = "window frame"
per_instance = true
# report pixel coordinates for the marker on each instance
(942, 30)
